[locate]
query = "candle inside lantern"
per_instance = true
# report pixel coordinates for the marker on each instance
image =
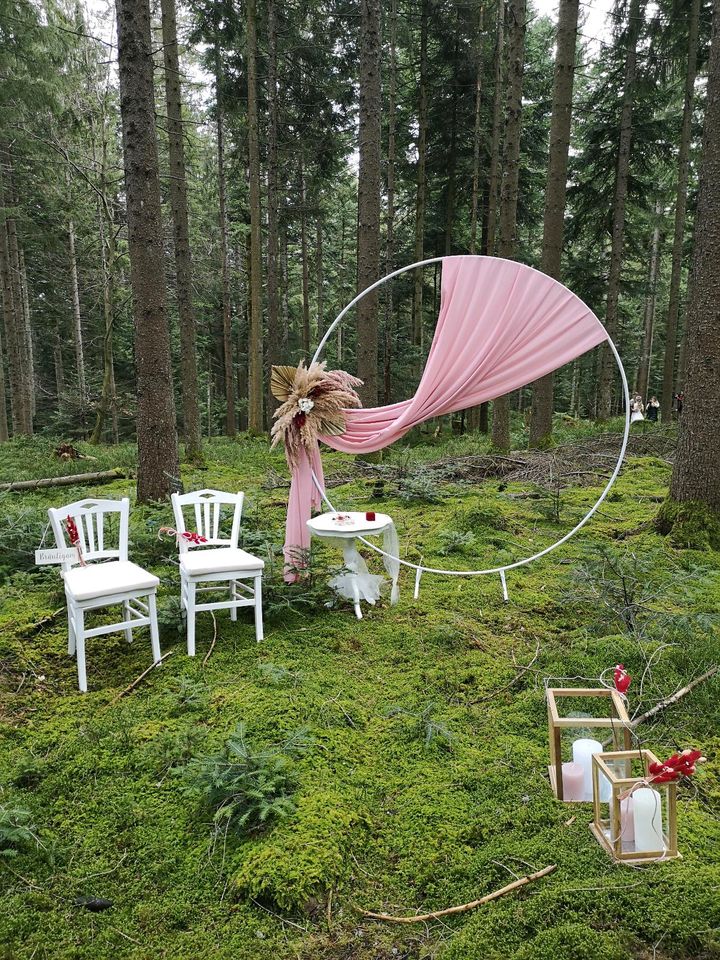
(627, 824)
(583, 750)
(573, 781)
(647, 820)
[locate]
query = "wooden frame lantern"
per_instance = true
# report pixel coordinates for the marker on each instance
(634, 819)
(570, 766)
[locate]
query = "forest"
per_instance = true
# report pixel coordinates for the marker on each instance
(191, 191)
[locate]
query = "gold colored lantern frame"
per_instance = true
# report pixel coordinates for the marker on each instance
(608, 830)
(616, 720)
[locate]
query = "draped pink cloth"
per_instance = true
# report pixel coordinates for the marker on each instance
(502, 325)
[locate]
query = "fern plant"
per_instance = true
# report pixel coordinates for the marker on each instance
(246, 786)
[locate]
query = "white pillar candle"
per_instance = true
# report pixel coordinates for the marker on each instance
(583, 751)
(573, 782)
(647, 820)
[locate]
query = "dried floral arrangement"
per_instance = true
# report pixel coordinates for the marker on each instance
(312, 404)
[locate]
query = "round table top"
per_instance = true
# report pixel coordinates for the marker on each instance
(327, 524)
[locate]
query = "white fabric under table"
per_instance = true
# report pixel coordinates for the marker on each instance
(359, 584)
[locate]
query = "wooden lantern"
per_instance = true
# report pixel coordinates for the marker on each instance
(614, 719)
(627, 831)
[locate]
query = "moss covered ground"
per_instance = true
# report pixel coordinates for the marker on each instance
(425, 782)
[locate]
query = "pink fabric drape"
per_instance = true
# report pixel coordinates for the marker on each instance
(501, 326)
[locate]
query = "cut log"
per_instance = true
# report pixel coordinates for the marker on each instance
(104, 476)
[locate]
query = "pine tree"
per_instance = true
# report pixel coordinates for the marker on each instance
(696, 473)
(157, 437)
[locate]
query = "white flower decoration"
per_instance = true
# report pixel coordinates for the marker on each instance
(305, 404)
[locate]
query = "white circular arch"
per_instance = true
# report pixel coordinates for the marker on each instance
(501, 570)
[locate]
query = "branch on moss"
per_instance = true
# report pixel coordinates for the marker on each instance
(678, 695)
(465, 907)
(131, 686)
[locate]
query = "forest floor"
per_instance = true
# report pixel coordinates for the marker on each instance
(423, 783)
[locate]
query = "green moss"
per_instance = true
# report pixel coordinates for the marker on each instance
(384, 821)
(572, 941)
(689, 525)
(304, 858)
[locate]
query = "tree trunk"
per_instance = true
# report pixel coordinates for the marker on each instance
(643, 372)
(390, 211)
(495, 137)
(304, 258)
(274, 334)
(77, 318)
(319, 278)
(181, 234)
(474, 415)
(106, 231)
(696, 474)
(229, 376)
(21, 336)
(368, 238)
(158, 469)
(417, 310)
(607, 364)
(510, 178)
(671, 320)
(4, 433)
(555, 191)
(474, 201)
(255, 333)
(27, 324)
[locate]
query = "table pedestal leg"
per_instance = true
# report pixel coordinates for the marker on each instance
(356, 565)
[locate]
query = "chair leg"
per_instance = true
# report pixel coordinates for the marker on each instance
(71, 628)
(190, 619)
(258, 609)
(154, 632)
(80, 648)
(127, 616)
(233, 596)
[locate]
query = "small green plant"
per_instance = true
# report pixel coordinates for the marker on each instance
(422, 726)
(277, 675)
(420, 488)
(454, 541)
(246, 786)
(171, 619)
(17, 831)
(173, 749)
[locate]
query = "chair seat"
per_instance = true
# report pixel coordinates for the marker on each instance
(223, 560)
(98, 580)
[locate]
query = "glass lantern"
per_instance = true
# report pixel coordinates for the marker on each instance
(576, 736)
(635, 821)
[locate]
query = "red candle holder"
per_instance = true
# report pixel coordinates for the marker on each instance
(370, 515)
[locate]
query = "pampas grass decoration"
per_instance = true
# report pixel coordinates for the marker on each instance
(313, 401)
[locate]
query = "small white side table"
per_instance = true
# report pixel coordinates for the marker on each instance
(362, 584)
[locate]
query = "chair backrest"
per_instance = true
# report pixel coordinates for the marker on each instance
(210, 510)
(97, 540)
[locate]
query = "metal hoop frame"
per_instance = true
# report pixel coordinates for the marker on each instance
(420, 568)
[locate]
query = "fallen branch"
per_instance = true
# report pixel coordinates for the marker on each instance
(214, 641)
(521, 671)
(678, 695)
(137, 680)
(465, 907)
(34, 628)
(104, 476)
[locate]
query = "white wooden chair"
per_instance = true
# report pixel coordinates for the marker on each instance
(217, 562)
(115, 581)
